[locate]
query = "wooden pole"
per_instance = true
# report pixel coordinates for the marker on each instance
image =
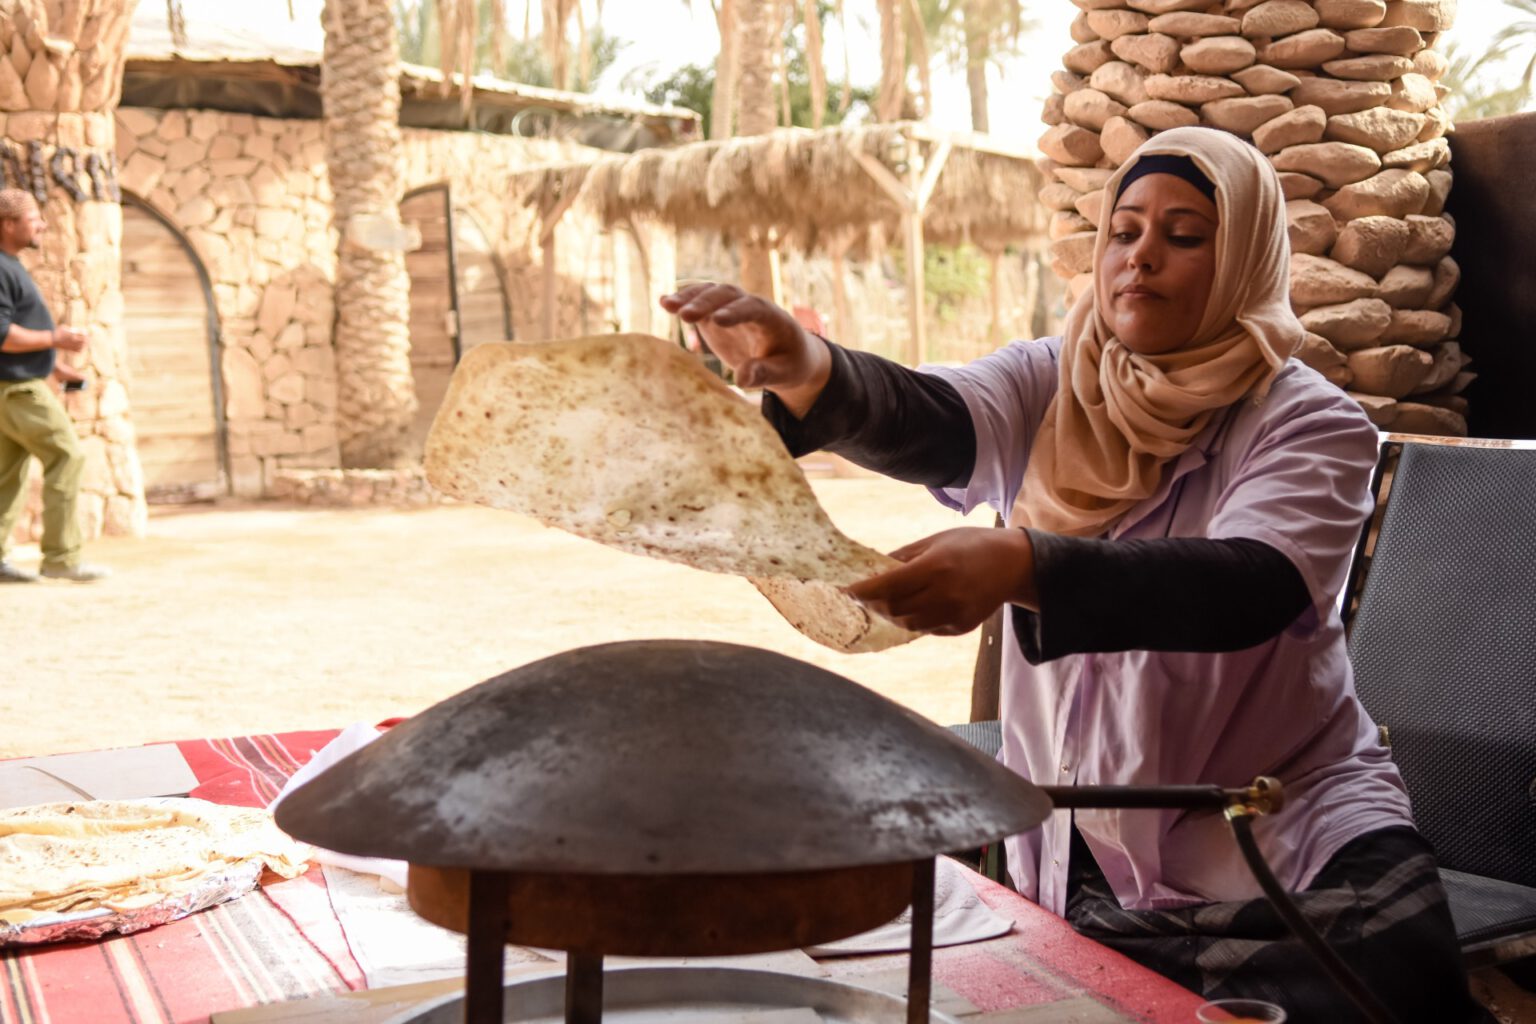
(912, 230)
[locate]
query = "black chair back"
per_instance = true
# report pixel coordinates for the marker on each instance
(1443, 641)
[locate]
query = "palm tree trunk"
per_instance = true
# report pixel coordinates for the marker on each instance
(976, 54)
(759, 41)
(61, 73)
(893, 62)
(920, 56)
(723, 104)
(814, 60)
(360, 88)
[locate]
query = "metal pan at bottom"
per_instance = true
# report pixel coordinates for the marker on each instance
(685, 995)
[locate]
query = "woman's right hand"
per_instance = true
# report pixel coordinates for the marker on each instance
(762, 343)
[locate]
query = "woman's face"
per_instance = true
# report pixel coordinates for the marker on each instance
(1156, 272)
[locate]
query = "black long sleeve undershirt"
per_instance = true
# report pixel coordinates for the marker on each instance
(1096, 596)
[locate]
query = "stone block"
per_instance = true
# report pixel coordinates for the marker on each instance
(1389, 370)
(1406, 287)
(1432, 64)
(1429, 239)
(1075, 252)
(141, 174)
(1084, 179)
(196, 212)
(1298, 127)
(1413, 92)
(1336, 164)
(225, 147)
(1160, 115)
(1067, 222)
(1068, 145)
(173, 126)
(1372, 67)
(1350, 325)
(1191, 89)
(289, 388)
(1448, 361)
(1312, 230)
(244, 389)
(184, 153)
(1155, 52)
(1242, 116)
(1424, 15)
(1299, 186)
(1080, 30)
(1121, 138)
(1157, 7)
(1066, 82)
(1378, 409)
(315, 361)
(1121, 81)
(1091, 206)
(1337, 97)
(1317, 353)
(277, 302)
(1304, 49)
(1056, 196)
(1446, 277)
(1218, 55)
(1054, 111)
(260, 148)
(1263, 80)
(1090, 108)
(1439, 190)
(1400, 40)
(1084, 58)
(1372, 245)
(1380, 128)
(1112, 24)
(1278, 18)
(1190, 25)
(1391, 193)
(1417, 327)
(136, 121)
(1422, 418)
(1421, 156)
(1344, 15)
(1319, 281)
(277, 224)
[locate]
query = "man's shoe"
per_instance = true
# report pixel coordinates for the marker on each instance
(84, 572)
(10, 574)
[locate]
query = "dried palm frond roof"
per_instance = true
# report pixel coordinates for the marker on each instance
(809, 185)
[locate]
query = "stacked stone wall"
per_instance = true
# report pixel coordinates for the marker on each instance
(250, 195)
(1344, 96)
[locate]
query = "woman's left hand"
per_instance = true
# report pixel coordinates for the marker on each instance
(951, 582)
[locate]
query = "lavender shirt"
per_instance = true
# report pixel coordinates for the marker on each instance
(1292, 471)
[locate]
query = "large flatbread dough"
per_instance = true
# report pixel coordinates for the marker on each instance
(627, 440)
(126, 855)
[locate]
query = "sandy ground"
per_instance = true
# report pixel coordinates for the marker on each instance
(255, 618)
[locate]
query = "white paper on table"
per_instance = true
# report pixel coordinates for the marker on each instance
(959, 917)
(353, 738)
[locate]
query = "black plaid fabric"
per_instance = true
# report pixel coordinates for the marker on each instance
(1378, 903)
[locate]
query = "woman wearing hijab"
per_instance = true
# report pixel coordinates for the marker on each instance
(1182, 502)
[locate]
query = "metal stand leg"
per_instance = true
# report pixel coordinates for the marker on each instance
(920, 969)
(487, 936)
(583, 988)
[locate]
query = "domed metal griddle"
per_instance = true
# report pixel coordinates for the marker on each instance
(663, 798)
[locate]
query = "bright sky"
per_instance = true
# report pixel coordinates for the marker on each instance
(666, 35)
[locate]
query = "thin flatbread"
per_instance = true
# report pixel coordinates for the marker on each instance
(126, 854)
(628, 440)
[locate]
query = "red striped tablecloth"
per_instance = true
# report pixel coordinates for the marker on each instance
(283, 942)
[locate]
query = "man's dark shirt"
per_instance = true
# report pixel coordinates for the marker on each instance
(22, 304)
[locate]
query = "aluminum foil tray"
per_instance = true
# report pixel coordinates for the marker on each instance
(684, 995)
(218, 887)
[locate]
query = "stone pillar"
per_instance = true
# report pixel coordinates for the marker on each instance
(1343, 97)
(60, 79)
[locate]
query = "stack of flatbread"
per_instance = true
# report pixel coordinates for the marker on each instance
(628, 440)
(125, 855)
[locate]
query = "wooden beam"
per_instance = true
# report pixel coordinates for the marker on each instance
(931, 174)
(888, 182)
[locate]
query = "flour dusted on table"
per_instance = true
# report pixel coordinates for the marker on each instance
(627, 440)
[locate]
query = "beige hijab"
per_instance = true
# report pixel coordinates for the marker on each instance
(1118, 417)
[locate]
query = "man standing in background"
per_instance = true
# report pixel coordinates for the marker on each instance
(32, 421)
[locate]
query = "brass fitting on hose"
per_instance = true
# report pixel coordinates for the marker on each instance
(1265, 795)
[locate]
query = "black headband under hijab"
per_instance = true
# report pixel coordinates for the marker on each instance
(1168, 163)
